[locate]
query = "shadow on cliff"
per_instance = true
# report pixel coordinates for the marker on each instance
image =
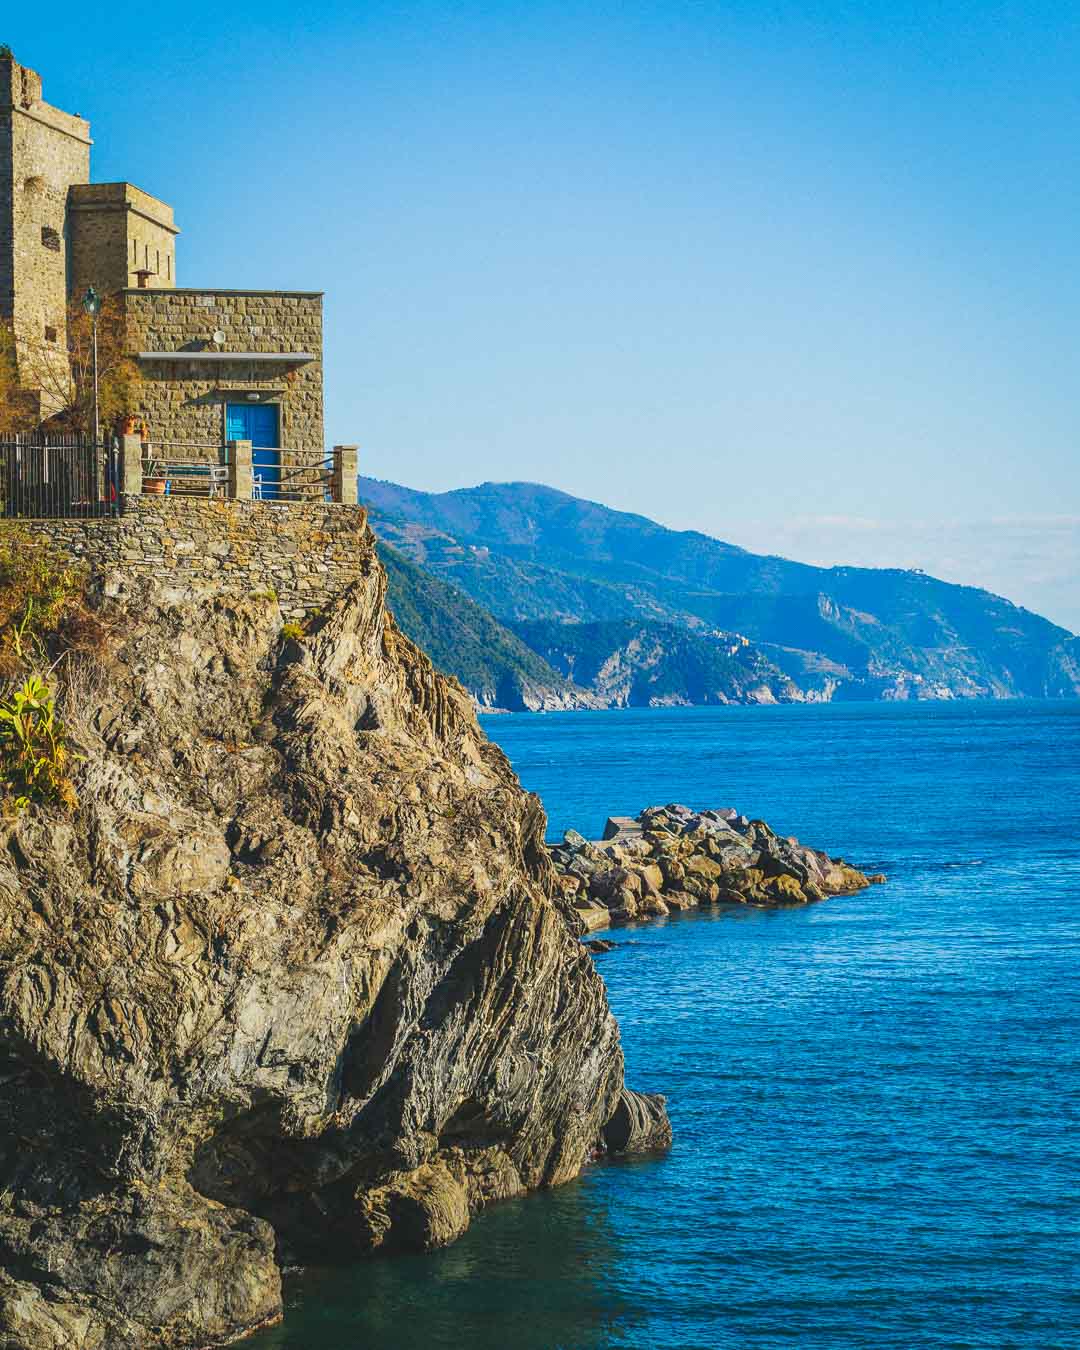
(291, 976)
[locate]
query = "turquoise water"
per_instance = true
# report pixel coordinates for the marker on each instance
(876, 1100)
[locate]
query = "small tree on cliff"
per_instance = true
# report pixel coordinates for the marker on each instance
(18, 407)
(65, 381)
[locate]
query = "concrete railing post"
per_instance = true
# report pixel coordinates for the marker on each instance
(240, 470)
(343, 479)
(131, 465)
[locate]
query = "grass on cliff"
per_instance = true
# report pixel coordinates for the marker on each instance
(43, 607)
(43, 619)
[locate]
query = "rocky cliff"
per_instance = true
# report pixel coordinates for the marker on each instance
(628, 663)
(290, 981)
(497, 669)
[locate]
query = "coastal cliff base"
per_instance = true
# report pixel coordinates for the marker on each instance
(290, 979)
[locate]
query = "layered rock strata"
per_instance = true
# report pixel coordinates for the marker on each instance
(291, 982)
(671, 858)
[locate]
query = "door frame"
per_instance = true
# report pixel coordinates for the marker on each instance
(265, 459)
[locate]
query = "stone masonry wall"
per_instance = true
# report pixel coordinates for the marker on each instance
(117, 229)
(304, 553)
(43, 151)
(181, 400)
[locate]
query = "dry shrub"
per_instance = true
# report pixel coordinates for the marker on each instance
(45, 624)
(39, 589)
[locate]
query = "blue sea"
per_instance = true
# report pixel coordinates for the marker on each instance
(876, 1100)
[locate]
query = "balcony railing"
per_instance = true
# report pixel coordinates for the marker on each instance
(238, 470)
(291, 475)
(183, 469)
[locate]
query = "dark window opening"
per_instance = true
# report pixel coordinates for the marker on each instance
(50, 238)
(50, 333)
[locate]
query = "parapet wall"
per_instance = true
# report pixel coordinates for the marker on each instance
(305, 553)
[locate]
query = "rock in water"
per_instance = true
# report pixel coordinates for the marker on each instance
(672, 858)
(293, 980)
(640, 1123)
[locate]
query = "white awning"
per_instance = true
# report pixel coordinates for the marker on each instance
(277, 358)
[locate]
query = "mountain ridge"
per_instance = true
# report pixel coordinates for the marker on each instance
(493, 664)
(534, 554)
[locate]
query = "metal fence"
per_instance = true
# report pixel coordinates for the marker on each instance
(284, 475)
(184, 469)
(58, 477)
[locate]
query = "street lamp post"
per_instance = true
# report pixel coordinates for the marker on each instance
(92, 304)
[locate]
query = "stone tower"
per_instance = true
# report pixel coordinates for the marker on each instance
(120, 237)
(43, 152)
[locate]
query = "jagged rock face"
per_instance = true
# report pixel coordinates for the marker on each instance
(290, 983)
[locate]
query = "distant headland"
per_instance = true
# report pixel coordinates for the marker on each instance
(557, 602)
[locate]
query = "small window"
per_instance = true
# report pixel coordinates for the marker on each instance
(135, 252)
(157, 262)
(168, 266)
(146, 256)
(50, 238)
(50, 333)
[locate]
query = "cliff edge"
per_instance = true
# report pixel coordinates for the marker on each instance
(289, 980)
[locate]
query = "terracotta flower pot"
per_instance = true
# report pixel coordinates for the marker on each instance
(155, 485)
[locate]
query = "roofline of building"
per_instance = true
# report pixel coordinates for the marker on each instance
(38, 109)
(124, 206)
(215, 290)
(114, 203)
(34, 115)
(290, 358)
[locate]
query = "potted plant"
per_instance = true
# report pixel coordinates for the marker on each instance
(154, 479)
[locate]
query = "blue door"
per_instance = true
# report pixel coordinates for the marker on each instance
(258, 423)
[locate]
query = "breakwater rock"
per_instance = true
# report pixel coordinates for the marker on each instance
(672, 858)
(291, 980)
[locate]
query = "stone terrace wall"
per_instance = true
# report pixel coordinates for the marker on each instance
(305, 553)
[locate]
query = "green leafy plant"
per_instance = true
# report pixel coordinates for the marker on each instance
(33, 756)
(293, 630)
(44, 618)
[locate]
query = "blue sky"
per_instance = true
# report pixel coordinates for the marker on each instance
(803, 276)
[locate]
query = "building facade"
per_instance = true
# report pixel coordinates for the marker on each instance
(229, 365)
(216, 365)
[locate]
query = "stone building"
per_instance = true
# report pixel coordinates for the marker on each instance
(43, 151)
(217, 365)
(120, 236)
